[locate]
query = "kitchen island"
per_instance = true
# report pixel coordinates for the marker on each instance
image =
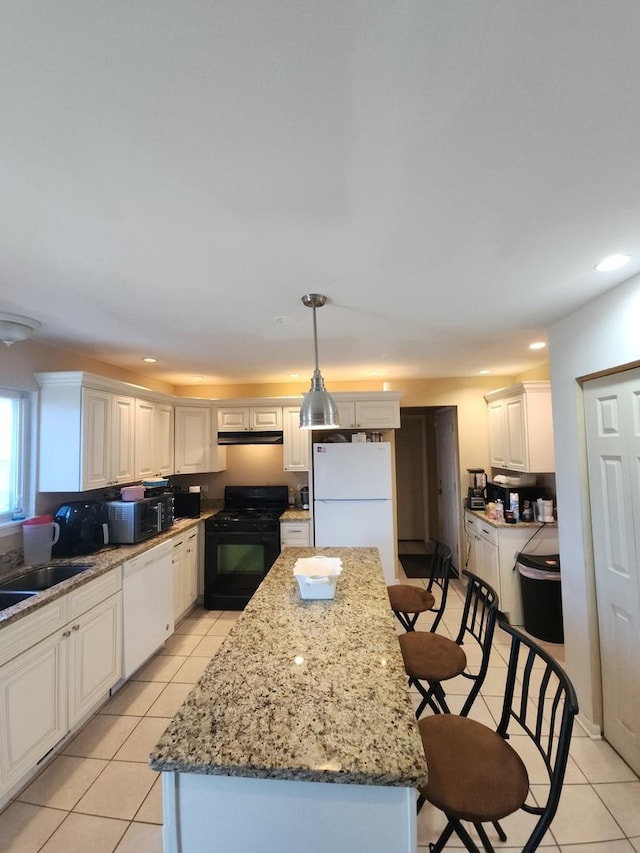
(300, 735)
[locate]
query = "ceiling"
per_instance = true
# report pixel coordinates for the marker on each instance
(175, 176)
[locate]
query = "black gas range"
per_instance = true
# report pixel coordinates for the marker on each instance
(242, 542)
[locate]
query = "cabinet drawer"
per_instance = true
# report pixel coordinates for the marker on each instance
(92, 593)
(292, 533)
(17, 638)
(487, 531)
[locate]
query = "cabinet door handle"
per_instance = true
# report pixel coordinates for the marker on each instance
(66, 633)
(76, 628)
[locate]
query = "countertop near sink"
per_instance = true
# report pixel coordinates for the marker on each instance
(103, 561)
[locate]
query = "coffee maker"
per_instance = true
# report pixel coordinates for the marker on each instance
(477, 488)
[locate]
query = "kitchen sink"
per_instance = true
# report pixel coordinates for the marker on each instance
(14, 596)
(38, 580)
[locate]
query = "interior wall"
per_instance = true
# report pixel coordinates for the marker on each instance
(247, 465)
(600, 336)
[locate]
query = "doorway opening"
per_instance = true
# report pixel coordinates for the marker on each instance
(427, 480)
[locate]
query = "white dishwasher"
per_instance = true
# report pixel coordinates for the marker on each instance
(147, 597)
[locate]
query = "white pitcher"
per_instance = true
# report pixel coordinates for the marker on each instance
(37, 541)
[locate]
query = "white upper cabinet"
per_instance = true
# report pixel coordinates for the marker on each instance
(521, 428)
(92, 435)
(193, 439)
(246, 418)
(296, 441)
(154, 439)
(86, 437)
(368, 414)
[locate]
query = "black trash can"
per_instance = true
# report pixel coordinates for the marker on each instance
(541, 595)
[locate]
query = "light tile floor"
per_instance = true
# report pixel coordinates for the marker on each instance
(100, 796)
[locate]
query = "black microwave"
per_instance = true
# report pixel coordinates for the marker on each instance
(135, 521)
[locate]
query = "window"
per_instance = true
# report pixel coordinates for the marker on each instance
(14, 455)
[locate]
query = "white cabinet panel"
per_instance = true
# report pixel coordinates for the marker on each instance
(492, 552)
(154, 439)
(48, 684)
(185, 567)
(295, 533)
(241, 418)
(521, 428)
(193, 439)
(33, 707)
(296, 441)
(368, 414)
(95, 655)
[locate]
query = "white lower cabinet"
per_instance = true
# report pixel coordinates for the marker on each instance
(33, 713)
(185, 561)
(94, 657)
(296, 533)
(50, 683)
(492, 553)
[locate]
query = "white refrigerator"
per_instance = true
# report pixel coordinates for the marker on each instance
(353, 499)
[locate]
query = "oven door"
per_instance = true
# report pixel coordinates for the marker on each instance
(235, 564)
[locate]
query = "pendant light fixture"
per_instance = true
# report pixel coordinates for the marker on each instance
(318, 410)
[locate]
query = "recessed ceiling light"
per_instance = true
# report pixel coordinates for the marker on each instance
(374, 373)
(150, 360)
(613, 262)
(484, 372)
(537, 345)
(198, 377)
(294, 376)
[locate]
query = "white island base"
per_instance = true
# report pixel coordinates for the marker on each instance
(224, 814)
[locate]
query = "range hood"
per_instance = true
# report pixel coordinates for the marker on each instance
(250, 437)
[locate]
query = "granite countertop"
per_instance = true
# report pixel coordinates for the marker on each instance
(304, 690)
(482, 515)
(102, 561)
(296, 515)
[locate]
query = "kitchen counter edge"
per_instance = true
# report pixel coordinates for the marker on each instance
(532, 524)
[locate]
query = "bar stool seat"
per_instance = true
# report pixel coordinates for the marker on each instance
(435, 659)
(431, 657)
(409, 601)
(405, 598)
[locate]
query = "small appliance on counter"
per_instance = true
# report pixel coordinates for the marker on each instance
(186, 504)
(304, 497)
(476, 493)
(514, 498)
(134, 521)
(83, 528)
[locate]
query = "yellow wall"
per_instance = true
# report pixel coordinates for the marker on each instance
(19, 362)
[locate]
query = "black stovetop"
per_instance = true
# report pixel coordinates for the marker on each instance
(250, 504)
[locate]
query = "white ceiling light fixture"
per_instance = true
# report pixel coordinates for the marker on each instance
(149, 360)
(14, 328)
(537, 345)
(613, 262)
(318, 410)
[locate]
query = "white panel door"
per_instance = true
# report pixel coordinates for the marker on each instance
(612, 415)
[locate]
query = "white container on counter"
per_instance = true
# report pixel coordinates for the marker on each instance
(317, 577)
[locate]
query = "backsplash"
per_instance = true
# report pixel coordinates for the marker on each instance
(9, 561)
